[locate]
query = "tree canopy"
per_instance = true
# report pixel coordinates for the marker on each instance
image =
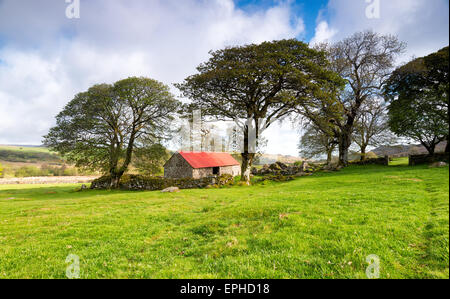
(364, 60)
(418, 96)
(101, 128)
(371, 127)
(260, 83)
(314, 143)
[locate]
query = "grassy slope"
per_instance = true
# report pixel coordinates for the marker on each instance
(314, 227)
(26, 149)
(12, 158)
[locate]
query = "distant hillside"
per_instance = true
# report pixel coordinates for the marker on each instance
(405, 150)
(27, 154)
(269, 159)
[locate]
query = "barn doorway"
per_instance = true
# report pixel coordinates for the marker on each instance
(216, 170)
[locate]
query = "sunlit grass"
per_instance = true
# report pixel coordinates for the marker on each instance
(28, 149)
(322, 226)
(403, 161)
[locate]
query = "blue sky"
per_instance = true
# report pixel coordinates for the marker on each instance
(308, 10)
(46, 58)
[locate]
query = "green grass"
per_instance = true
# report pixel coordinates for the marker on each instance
(11, 153)
(25, 149)
(322, 226)
(399, 161)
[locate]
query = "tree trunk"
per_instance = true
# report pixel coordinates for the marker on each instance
(329, 156)
(344, 145)
(363, 153)
(447, 147)
(430, 148)
(115, 179)
(247, 160)
(115, 172)
(248, 153)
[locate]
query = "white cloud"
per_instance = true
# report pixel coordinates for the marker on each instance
(48, 58)
(422, 24)
(323, 33)
(45, 58)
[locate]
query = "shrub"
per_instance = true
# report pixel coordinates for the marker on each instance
(1, 171)
(70, 172)
(150, 159)
(19, 156)
(27, 171)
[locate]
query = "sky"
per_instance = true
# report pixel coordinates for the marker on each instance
(46, 58)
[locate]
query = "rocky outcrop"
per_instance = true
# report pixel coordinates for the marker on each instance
(280, 168)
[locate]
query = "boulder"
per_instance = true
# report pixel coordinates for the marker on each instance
(438, 164)
(281, 165)
(300, 174)
(274, 167)
(171, 190)
(254, 171)
(332, 167)
(304, 166)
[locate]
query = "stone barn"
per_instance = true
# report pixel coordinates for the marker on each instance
(200, 164)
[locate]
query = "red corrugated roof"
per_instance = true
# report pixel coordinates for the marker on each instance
(207, 159)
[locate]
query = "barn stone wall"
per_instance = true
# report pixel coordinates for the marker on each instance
(177, 167)
(202, 172)
(234, 170)
(205, 172)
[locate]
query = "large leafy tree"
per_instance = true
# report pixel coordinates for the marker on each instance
(315, 143)
(364, 61)
(437, 86)
(320, 116)
(372, 127)
(257, 82)
(418, 96)
(150, 159)
(102, 127)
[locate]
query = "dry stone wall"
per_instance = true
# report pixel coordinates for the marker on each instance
(428, 159)
(139, 182)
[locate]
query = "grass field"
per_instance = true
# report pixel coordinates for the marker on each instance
(25, 149)
(29, 161)
(323, 226)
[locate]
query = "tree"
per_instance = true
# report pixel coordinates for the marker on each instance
(372, 127)
(259, 83)
(149, 160)
(418, 97)
(101, 128)
(315, 143)
(365, 61)
(437, 84)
